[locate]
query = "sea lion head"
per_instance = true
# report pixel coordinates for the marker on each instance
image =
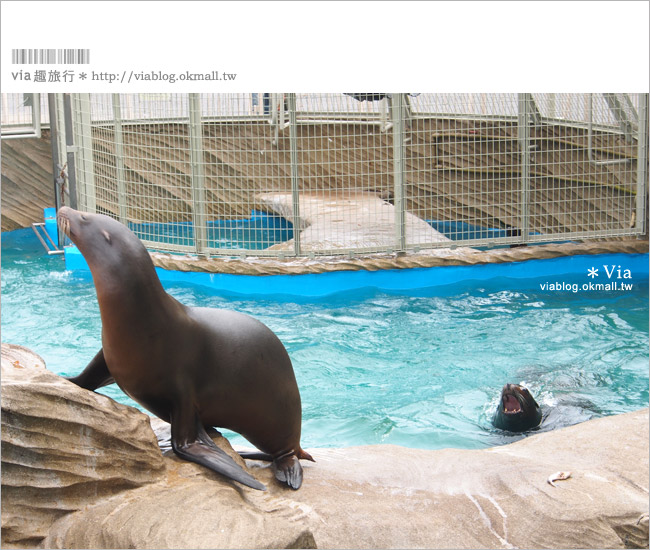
(517, 411)
(105, 243)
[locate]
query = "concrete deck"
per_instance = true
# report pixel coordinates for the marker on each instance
(356, 221)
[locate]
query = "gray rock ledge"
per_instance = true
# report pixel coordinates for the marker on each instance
(81, 471)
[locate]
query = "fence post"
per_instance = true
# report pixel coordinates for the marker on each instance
(36, 114)
(54, 142)
(69, 150)
(57, 167)
(197, 177)
(523, 138)
(295, 182)
(58, 105)
(642, 165)
(398, 170)
(119, 159)
(82, 124)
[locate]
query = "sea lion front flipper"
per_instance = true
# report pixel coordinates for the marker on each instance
(288, 470)
(191, 442)
(95, 375)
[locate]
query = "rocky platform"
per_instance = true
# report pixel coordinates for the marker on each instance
(81, 471)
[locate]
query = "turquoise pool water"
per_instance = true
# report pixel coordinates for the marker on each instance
(421, 370)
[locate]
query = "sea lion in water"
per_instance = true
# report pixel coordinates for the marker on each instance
(193, 367)
(517, 410)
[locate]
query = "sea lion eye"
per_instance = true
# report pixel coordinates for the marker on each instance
(83, 218)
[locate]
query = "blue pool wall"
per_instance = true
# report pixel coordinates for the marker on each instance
(261, 230)
(49, 217)
(527, 274)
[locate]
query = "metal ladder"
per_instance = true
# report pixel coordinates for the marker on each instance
(39, 230)
(43, 235)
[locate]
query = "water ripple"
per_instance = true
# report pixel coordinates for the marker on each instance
(417, 371)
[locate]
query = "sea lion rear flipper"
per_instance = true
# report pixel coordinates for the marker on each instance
(95, 375)
(288, 470)
(191, 442)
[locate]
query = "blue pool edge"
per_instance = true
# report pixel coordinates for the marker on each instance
(587, 271)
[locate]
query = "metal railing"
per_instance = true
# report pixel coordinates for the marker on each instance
(321, 174)
(22, 115)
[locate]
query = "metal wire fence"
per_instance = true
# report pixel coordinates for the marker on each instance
(307, 174)
(23, 115)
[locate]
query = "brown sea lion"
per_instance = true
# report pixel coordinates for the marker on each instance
(194, 367)
(517, 410)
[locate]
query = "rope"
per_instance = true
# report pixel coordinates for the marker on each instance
(431, 258)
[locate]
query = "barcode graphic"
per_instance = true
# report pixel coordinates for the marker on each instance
(50, 57)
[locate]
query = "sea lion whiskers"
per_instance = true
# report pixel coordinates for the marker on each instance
(63, 224)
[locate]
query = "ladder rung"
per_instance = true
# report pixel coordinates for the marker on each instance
(40, 227)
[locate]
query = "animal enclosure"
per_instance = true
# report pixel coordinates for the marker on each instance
(271, 174)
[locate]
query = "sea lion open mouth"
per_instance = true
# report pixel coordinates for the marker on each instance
(511, 404)
(517, 411)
